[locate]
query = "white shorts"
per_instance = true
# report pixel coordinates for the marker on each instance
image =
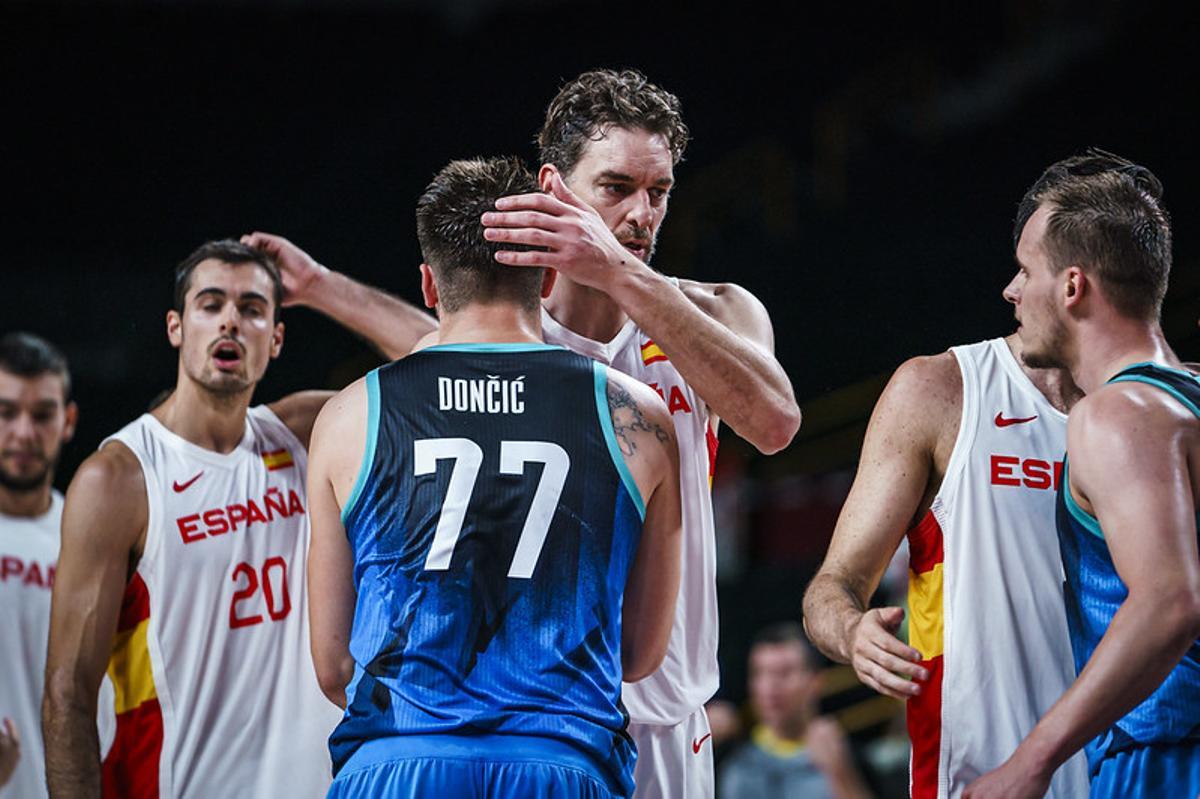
(674, 762)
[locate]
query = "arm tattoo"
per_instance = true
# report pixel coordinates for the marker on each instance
(627, 419)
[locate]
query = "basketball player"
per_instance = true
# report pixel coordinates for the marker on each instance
(183, 553)
(962, 452)
(478, 514)
(1094, 257)
(609, 146)
(37, 417)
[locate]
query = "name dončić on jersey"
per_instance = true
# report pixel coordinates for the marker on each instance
(492, 394)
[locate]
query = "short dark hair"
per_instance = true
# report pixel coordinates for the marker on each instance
(586, 107)
(231, 252)
(788, 632)
(451, 234)
(27, 355)
(1106, 215)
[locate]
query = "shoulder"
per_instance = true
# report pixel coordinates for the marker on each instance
(299, 411)
(1127, 414)
(628, 392)
(342, 414)
(931, 384)
(112, 474)
(727, 303)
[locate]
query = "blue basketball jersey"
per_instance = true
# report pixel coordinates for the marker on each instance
(1094, 592)
(493, 526)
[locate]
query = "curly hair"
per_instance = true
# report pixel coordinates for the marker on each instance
(586, 107)
(1106, 215)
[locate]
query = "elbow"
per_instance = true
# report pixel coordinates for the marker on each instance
(780, 429)
(333, 675)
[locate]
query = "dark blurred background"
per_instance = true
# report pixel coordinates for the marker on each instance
(857, 168)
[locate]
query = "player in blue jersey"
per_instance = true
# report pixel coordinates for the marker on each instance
(496, 527)
(1094, 252)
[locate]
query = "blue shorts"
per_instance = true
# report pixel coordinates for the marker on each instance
(1153, 772)
(452, 766)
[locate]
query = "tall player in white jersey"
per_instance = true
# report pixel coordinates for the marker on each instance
(37, 417)
(182, 571)
(609, 146)
(963, 454)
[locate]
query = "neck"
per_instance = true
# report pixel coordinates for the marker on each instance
(589, 312)
(1107, 346)
(27, 504)
(496, 323)
(207, 419)
(1056, 385)
(793, 728)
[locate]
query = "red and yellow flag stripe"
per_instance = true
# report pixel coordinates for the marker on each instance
(278, 459)
(131, 766)
(926, 635)
(652, 353)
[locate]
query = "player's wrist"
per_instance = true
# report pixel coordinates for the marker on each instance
(634, 286)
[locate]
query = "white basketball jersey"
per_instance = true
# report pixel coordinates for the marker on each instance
(985, 584)
(28, 555)
(215, 690)
(689, 675)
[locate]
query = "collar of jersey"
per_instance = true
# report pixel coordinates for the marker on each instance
(512, 346)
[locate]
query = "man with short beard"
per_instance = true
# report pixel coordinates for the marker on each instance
(182, 570)
(1094, 255)
(37, 417)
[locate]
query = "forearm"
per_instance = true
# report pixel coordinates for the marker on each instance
(388, 323)
(832, 608)
(740, 381)
(1142, 644)
(72, 748)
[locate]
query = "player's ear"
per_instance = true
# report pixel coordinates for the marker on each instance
(71, 412)
(548, 278)
(277, 340)
(544, 175)
(1075, 284)
(429, 290)
(174, 328)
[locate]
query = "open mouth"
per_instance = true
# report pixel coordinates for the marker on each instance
(639, 249)
(227, 355)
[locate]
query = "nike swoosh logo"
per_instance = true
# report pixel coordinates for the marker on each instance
(178, 486)
(697, 744)
(1002, 422)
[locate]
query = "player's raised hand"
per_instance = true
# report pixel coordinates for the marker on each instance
(299, 270)
(10, 750)
(881, 660)
(574, 238)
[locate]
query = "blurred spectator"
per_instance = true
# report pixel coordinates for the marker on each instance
(792, 751)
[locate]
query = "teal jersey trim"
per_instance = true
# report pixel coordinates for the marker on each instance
(368, 459)
(1160, 384)
(515, 346)
(600, 373)
(1089, 522)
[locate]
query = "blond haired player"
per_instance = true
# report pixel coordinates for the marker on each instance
(182, 571)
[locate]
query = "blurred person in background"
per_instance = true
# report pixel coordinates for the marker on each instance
(792, 751)
(37, 417)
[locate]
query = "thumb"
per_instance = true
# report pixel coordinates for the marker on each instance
(891, 617)
(559, 189)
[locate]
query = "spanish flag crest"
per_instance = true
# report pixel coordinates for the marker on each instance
(652, 353)
(278, 459)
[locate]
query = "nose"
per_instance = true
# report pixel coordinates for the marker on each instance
(1012, 291)
(641, 213)
(230, 319)
(22, 428)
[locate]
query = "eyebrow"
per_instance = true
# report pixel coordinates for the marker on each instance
(609, 174)
(44, 404)
(220, 293)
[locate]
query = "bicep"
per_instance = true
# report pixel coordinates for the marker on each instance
(738, 310)
(102, 520)
(894, 474)
(330, 564)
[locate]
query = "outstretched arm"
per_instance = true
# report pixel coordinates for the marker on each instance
(897, 473)
(337, 445)
(103, 520)
(388, 323)
(1139, 487)
(718, 336)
